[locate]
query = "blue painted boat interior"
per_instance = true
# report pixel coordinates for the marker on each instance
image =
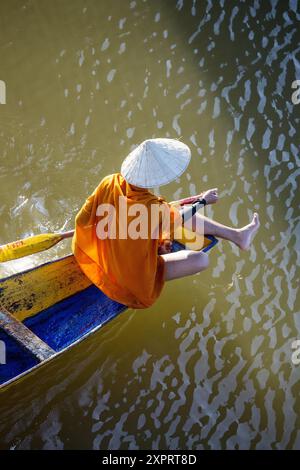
(64, 323)
(18, 359)
(59, 326)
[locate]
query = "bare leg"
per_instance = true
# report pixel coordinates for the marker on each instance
(184, 263)
(187, 262)
(242, 237)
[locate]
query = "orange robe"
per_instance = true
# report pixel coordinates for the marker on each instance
(127, 270)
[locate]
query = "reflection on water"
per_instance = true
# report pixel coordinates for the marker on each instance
(209, 366)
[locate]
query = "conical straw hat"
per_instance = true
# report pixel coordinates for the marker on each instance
(156, 162)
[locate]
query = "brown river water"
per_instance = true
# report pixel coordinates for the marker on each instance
(209, 366)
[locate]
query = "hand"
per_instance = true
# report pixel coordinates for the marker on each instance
(165, 247)
(211, 196)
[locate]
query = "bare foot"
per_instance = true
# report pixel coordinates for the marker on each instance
(247, 233)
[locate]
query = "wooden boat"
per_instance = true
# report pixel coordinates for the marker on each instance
(46, 310)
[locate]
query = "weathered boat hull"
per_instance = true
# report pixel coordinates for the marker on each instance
(59, 305)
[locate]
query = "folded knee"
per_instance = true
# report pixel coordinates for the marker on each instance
(204, 262)
(199, 260)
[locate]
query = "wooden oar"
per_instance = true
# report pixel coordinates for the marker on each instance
(31, 245)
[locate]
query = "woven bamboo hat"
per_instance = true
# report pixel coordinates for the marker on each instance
(156, 162)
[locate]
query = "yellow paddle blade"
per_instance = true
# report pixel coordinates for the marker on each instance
(28, 246)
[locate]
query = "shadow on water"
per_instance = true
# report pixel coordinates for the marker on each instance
(29, 402)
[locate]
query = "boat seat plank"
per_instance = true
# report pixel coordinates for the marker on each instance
(24, 336)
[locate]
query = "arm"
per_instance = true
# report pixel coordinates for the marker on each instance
(186, 200)
(211, 197)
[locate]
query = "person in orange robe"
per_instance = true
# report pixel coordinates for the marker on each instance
(127, 270)
(132, 269)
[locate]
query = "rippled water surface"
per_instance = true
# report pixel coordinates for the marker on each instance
(209, 365)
